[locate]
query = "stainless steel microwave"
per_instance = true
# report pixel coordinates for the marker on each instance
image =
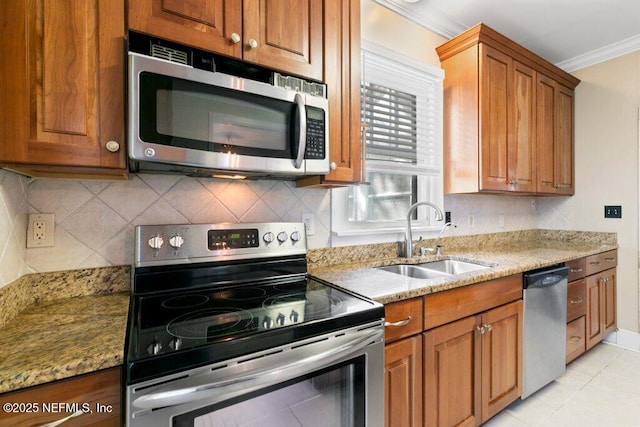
(196, 122)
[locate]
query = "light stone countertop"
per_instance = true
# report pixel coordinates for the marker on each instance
(63, 324)
(511, 256)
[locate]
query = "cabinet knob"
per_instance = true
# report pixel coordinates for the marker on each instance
(253, 43)
(514, 182)
(235, 38)
(333, 166)
(112, 146)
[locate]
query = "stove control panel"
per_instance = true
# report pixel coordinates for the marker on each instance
(192, 243)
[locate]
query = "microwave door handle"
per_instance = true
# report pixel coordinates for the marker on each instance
(302, 125)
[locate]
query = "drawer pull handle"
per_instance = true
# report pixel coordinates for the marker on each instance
(610, 259)
(595, 263)
(404, 322)
(576, 301)
(576, 270)
(576, 339)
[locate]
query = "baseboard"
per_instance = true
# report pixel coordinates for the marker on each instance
(625, 339)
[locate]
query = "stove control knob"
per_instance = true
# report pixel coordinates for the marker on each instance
(268, 237)
(280, 319)
(294, 316)
(282, 237)
(154, 348)
(295, 236)
(175, 344)
(176, 241)
(156, 242)
(267, 323)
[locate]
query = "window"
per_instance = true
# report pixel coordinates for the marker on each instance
(401, 102)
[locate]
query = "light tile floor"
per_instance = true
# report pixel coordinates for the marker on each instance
(600, 389)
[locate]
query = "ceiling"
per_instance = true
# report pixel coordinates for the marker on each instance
(572, 34)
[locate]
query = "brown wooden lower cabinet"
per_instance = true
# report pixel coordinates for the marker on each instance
(473, 367)
(601, 306)
(97, 394)
(403, 383)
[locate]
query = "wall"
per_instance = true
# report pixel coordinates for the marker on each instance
(13, 227)
(607, 102)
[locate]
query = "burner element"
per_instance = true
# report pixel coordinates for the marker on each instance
(210, 323)
(185, 301)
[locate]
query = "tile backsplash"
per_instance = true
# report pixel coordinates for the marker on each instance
(13, 226)
(95, 220)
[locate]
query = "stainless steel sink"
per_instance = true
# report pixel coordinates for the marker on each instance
(453, 266)
(434, 269)
(414, 271)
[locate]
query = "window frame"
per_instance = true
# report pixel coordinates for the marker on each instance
(430, 187)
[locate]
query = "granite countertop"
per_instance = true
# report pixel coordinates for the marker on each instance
(62, 324)
(505, 257)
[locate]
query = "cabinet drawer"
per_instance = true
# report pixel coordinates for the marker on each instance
(447, 306)
(577, 268)
(575, 338)
(576, 299)
(403, 319)
(600, 262)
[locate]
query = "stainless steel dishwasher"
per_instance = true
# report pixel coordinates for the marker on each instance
(545, 327)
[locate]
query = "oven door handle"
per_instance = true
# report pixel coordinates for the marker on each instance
(220, 390)
(302, 125)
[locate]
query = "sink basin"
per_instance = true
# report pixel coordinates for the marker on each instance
(434, 269)
(414, 271)
(453, 266)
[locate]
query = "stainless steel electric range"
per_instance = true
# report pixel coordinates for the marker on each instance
(227, 328)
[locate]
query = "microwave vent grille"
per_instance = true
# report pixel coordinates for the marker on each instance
(168, 54)
(299, 85)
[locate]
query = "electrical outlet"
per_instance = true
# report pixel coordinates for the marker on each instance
(40, 230)
(309, 223)
(447, 216)
(613, 211)
(471, 221)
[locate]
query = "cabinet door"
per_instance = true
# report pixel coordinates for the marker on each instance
(342, 75)
(452, 374)
(609, 301)
(102, 388)
(403, 383)
(501, 358)
(522, 133)
(554, 137)
(564, 158)
(66, 95)
(287, 35)
(495, 68)
(205, 24)
(594, 310)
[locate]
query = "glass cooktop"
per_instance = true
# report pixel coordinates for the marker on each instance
(188, 329)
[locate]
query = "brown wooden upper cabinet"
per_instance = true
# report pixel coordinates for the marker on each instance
(286, 35)
(62, 100)
(508, 117)
(342, 76)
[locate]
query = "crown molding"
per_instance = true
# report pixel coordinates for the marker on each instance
(602, 54)
(435, 21)
(444, 26)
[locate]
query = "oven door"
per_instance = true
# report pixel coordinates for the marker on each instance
(185, 116)
(330, 380)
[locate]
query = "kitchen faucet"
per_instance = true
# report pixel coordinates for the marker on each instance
(408, 244)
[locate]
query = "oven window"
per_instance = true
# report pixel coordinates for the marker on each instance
(334, 397)
(203, 117)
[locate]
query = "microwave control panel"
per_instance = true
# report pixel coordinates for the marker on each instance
(315, 134)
